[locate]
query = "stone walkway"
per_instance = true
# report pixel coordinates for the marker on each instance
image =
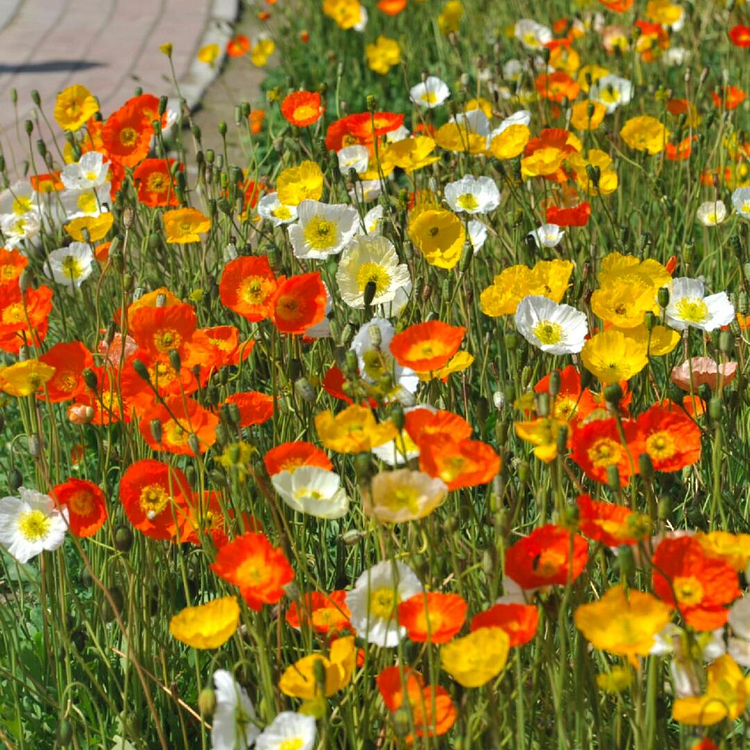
(110, 46)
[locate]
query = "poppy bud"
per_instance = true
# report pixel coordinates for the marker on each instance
(511, 341)
(664, 510)
(509, 393)
(593, 173)
(714, 408)
(89, 377)
(489, 561)
(483, 411)
(397, 416)
(401, 721)
(115, 598)
(562, 440)
(29, 126)
(80, 414)
(351, 537)
(319, 671)
(542, 404)
(662, 297)
(141, 370)
(41, 147)
(174, 359)
(626, 561)
(645, 466)
(14, 96)
(450, 524)
(525, 376)
(222, 128)
(524, 472)
(376, 336)
(362, 466)
(155, 426)
(613, 477)
(613, 394)
(64, 733)
(303, 388)
(466, 256)
(207, 702)
(726, 342)
(352, 364)
(15, 479)
(370, 290)
(554, 383)
(194, 443)
(123, 538)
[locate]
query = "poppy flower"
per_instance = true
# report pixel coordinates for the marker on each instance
(427, 346)
(155, 183)
(12, 264)
(179, 419)
(519, 621)
(159, 330)
(617, 6)
(292, 455)
(299, 303)
(557, 86)
(610, 524)
(46, 183)
(672, 440)
(96, 227)
(248, 286)
(238, 46)
(324, 613)
(699, 586)
(477, 658)
(74, 106)
(431, 707)
(432, 617)
(25, 377)
(680, 151)
(105, 400)
(567, 400)
(185, 225)
(302, 108)
(422, 424)
(164, 380)
(575, 216)
(256, 567)
(228, 349)
(459, 463)
(207, 626)
(730, 97)
(300, 680)
(549, 555)
(254, 407)
(740, 35)
(20, 310)
(597, 446)
(69, 360)
(86, 504)
(391, 7)
(127, 134)
(353, 430)
(153, 496)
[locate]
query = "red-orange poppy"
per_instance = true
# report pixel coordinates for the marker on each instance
(257, 117)
(254, 407)
(160, 330)
(47, 183)
(256, 567)
(252, 191)
(740, 35)
(153, 495)
(432, 616)
(597, 445)
(575, 216)
(292, 455)
(549, 555)
(139, 396)
(333, 383)
(299, 303)
(24, 317)
(86, 504)
(228, 349)
(618, 6)
(179, 418)
(324, 613)
(238, 46)
(566, 402)
(248, 286)
(699, 586)
(671, 439)
(729, 98)
(127, 135)
(426, 347)
(12, 264)
(148, 106)
(680, 151)
(432, 709)
(593, 405)
(459, 463)
(302, 108)
(557, 86)
(610, 524)
(391, 7)
(69, 360)
(207, 516)
(421, 424)
(519, 621)
(368, 126)
(106, 399)
(155, 183)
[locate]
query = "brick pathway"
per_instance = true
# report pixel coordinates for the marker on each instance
(111, 46)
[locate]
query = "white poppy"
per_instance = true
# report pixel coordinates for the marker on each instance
(553, 328)
(312, 490)
(87, 202)
(689, 306)
(676, 56)
(513, 69)
(17, 229)
(522, 117)
(395, 307)
(739, 621)
(354, 157)
(474, 195)
(711, 213)
(370, 259)
(366, 191)
(288, 731)
(548, 235)
(373, 221)
(374, 600)
(322, 229)
(401, 133)
(473, 122)
(322, 330)
(403, 495)
(233, 726)
(477, 234)
(741, 201)
(531, 34)
(361, 25)
(71, 265)
(431, 93)
(612, 91)
(273, 210)
(19, 199)
(91, 171)
(31, 524)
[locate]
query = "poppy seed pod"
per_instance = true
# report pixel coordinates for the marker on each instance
(554, 383)
(207, 702)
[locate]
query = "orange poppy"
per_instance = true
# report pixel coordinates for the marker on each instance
(592, 404)
(208, 516)
(248, 286)
(672, 439)
(597, 446)
(697, 585)
(46, 183)
(12, 264)
(544, 557)
(228, 349)
(730, 97)
(555, 144)
(69, 360)
(459, 463)
(426, 347)
(557, 86)
(256, 567)
(391, 7)
(324, 613)
(519, 621)
(254, 407)
(618, 6)
(159, 330)
(153, 497)
(139, 395)
(422, 424)
(610, 524)
(251, 191)
(432, 709)
(105, 400)
(155, 183)
(302, 108)
(179, 419)
(566, 402)
(238, 46)
(680, 151)
(127, 135)
(367, 127)
(23, 317)
(740, 35)
(299, 303)
(575, 216)
(148, 106)
(86, 504)
(292, 455)
(432, 616)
